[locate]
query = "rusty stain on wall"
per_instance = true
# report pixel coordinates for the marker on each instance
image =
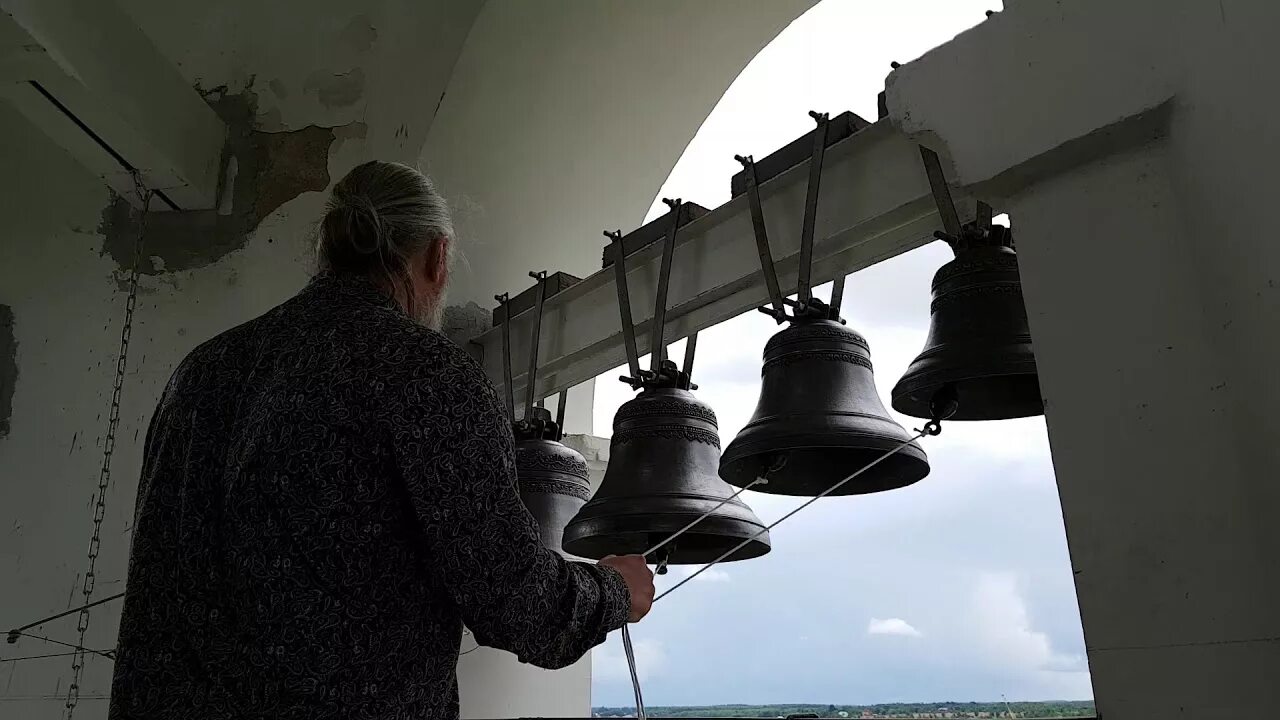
(8, 367)
(335, 90)
(271, 168)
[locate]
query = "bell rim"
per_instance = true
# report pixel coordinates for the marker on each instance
(908, 395)
(912, 469)
(714, 543)
(824, 439)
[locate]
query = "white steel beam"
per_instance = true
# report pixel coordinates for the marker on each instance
(86, 75)
(874, 203)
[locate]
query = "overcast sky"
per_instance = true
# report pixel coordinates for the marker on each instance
(956, 588)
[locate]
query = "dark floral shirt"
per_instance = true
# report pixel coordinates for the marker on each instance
(328, 494)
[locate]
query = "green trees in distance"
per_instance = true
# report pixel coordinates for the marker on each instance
(1051, 709)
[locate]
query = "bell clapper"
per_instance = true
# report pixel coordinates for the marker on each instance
(944, 403)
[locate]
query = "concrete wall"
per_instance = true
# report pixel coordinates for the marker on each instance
(1133, 145)
(306, 96)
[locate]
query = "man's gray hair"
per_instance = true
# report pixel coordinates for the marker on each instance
(377, 217)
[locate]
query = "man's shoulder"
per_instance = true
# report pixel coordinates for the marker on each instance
(420, 355)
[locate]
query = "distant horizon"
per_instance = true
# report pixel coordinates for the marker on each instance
(1001, 701)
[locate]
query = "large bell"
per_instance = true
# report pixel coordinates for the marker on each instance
(553, 479)
(661, 477)
(979, 345)
(819, 418)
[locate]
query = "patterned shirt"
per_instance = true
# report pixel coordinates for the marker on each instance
(328, 493)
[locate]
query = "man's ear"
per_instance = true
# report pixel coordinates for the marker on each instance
(436, 260)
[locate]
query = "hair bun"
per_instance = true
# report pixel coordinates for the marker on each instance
(363, 229)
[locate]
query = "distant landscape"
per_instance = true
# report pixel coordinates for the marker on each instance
(1050, 709)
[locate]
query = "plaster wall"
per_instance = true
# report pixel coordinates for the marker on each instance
(1135, 169)
(306, 96)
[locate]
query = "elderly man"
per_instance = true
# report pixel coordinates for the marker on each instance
(328, 494)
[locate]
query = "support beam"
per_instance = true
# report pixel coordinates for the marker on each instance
(874, 204)
(85, 74)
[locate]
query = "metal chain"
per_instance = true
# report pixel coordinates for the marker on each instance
(108, 447)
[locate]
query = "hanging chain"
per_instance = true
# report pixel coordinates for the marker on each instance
(108, 447)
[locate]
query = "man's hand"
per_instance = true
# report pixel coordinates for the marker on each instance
(635, 572)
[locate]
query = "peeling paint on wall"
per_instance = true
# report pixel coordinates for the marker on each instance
(270, 169)
(278, 87)
(8, 367)
(336, 89)
(353, 131)
(359, 34)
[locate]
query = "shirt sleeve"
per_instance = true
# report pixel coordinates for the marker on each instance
(455, 452)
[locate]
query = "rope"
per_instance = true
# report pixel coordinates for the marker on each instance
(631, 665)
(930, 428)
(919, 434)
(78, 649)
(704, 516)
(18, 630)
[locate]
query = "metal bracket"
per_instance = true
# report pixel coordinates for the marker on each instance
(541, 278)
(662, 371)
(942, 198)
(657, 348)
(504, 305)
(690, 348)
(654, 231)
(779, 312)
(624, 309)
(796, 152)
(560, 403)
(803, 290)
(954, 233)
(806, 306)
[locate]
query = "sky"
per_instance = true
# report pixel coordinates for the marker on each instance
(956, 588)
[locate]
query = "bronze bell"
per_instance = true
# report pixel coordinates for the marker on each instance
(819, 417)
(979, 345)
(661, 477)
(553, 479)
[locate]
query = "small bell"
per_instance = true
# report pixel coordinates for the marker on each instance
(661, 477)
(819, 417)
(979, 345)
(553, 479)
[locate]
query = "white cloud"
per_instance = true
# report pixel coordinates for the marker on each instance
(678, 573)
(1004, 636)
(892, 626)
(609, 662)
(714, 575)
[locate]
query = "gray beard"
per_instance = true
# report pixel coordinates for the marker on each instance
(430, 314)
